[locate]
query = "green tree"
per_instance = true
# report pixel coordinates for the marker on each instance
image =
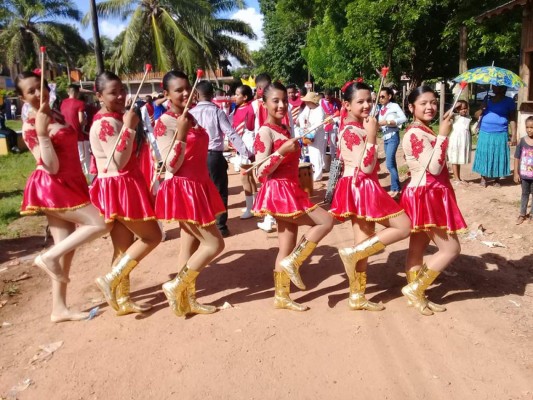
(176, 33)
(27, 24)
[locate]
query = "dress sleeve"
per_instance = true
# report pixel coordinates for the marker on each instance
(41, 148)
(263, 148)
(423, 151)
(108, 131)
(164, 130)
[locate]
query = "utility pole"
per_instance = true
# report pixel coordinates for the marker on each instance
(96, 39)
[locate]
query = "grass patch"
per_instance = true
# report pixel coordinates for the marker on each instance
(14, 171)
(15, 124)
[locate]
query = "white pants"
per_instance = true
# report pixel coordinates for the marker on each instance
(333, 142)
(317, 150)
(84, 150)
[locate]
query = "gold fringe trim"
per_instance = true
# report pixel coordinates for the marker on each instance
(425, 228)
(33, 210)
(116, 216)
(366, 218)
(294, 215)
(190, 221)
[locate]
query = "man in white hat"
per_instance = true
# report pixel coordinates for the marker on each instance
(313, 115)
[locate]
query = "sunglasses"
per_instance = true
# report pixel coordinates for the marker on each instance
(382, 97)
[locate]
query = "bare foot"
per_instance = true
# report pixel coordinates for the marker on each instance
(54, 271)
(69, 315)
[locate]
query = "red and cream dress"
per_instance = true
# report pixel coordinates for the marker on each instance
(187, 194)
(280, 194)
(121, 192)
(65, 190)
(243, 121)
(429, 199)
(358, 193)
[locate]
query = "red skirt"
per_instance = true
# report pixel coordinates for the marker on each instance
(124, 196)
(366, 199)
(185, 200)
(433, 206)
(54, 192)
(282, 198)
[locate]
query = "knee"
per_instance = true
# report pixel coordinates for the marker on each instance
(329, 223)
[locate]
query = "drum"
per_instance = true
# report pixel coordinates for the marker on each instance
(335, 173)
(305, 177)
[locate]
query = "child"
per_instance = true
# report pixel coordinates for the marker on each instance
(460, 141)
(429, 200)
(360, 197)
(523, 170)
(187, 195)
(281, 197)
(243, 121)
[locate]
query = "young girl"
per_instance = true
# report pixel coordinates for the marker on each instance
(360, 197)
(243, 121)
(429, 200)
(187, 195)
(58, 189)
(460, 140)
(523, 170)
(281, 197)
(121, 193)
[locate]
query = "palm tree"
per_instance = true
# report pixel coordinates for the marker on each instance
(29, 24)
(181, 34)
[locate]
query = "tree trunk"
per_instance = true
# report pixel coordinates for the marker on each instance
(463, 49)
(96, 38)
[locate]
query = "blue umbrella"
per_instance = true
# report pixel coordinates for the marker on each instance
(491, 76)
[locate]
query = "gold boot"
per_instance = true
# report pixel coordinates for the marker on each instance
(411, 276)
(125, 304)
(109, 282)
(292, 263)
(195, 307)
(357, 299)
(282, 284)
(176, 291)
(414, 291)
(351, 255)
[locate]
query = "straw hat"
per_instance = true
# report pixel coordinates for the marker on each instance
(312, 97)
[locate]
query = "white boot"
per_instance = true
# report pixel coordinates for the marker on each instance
(248, 210)
(267, 223)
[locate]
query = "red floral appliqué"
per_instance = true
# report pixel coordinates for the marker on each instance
(277, 144)
(177, 151)
(351, 138)
(370, 154)
(106, 129)
(443, 147)
(417, 145)
(160, 128)
(126, 135)
(259, 145)
(30, 137)
(271, 165)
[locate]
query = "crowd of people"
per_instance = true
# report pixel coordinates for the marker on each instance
(164, 160)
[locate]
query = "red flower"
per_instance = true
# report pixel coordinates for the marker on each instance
(30, 137)
(259, 145)
(106, 129)
(369, 156)
(443, 147)
(160, 128)
(269, 168)
(177, 151)
(417, 145)
(123, 140)
(277, 144)
(351, 138)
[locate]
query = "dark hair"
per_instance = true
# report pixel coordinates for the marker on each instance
(461, 102)
(26, 75)
(246, 91)
(350, 91)
(274, 86)
(415, 94)
(102, 79)
(173, 75)
(263, 77)
(329, 92)
(74, 87)
(205, 89)
(529, 119)
(292, 86)
(389, 91)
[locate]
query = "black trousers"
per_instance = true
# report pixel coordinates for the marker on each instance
(11, 137)
(218, 172)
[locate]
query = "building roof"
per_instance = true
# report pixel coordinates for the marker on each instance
(502, 9)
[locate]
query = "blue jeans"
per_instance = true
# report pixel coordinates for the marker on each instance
(391, 146)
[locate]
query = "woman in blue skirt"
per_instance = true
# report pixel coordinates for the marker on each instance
(492, 158)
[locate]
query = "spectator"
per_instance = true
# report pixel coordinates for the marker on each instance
(13, 111)
(216, 123)
(73, 109)
(10, 134)
(148, 121)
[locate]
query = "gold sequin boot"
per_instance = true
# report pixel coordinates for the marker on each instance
(411, 276)
(176, 291)
(351, 255)
(357, 299)
(125, 304)
(108, 283)
(194, 306)
(292, 263)
(282, 284)
(415, 291)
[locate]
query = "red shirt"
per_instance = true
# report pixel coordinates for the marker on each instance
(70, 109)
(244, 117)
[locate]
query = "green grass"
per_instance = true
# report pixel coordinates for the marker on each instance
(16, 124)
(14, 171)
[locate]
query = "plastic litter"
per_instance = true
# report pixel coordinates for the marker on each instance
(93, 313)
(46, 352)
(19, 387)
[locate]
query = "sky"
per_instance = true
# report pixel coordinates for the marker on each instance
(250, 14)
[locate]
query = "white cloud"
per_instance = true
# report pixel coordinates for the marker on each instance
(109, 29)
(255, 19)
